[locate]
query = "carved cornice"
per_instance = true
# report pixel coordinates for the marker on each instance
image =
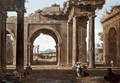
(108, 15)
(83, 3)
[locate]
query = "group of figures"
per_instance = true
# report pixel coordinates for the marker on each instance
(17, 76)
(110, 76)
(81, 70)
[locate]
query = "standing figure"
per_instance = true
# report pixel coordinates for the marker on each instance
(29, 71)
(78, 70)
(112, 63)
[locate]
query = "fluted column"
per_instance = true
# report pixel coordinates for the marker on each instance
(91, 46)
(74, 55)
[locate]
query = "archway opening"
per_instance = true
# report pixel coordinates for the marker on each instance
(112, 48)
(44, 50)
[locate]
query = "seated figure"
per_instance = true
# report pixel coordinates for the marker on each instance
(112, 77)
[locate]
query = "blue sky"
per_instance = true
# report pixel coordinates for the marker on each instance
(99, 13)
(33, 5)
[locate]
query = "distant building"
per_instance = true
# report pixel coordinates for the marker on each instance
(99, 54)
(111, 31)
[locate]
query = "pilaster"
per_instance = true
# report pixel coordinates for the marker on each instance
(69, 43)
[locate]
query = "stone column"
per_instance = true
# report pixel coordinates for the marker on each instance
(37, 49)
(91, 46)
(74, 47)
(31, 53)
(56, 54)
(20, 40)
(69, 44)
(28, 53)
(0, 35)
(3, 16)
(3, 39)
(59, 53)
(0, 38)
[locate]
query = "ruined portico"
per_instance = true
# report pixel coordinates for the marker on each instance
(67, 26)
(18, 7)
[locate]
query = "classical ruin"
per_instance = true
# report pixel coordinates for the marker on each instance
(111, 25)
(67, 26)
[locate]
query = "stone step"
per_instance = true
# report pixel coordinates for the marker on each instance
(67, 76)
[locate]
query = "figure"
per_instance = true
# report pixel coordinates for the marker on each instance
(112, 63)
(78, 70)
(112, 77)
(29, 71)
(84, 71)
(17, 74)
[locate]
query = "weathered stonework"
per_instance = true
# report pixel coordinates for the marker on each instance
(67, 26)
(111, 25)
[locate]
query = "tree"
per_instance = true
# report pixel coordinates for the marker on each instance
(100, 34)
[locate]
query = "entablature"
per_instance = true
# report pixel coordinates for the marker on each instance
(94, 4)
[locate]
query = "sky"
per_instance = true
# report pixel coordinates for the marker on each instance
(33, 5)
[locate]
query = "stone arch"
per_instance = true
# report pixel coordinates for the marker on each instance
(112, 42)
(49, 31)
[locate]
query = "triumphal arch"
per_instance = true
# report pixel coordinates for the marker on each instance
(67, 26)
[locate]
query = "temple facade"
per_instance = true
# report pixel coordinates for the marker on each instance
(67, 26)
(111, 28)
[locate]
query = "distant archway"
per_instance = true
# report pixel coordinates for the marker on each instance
(55, 35)
(44, 50)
